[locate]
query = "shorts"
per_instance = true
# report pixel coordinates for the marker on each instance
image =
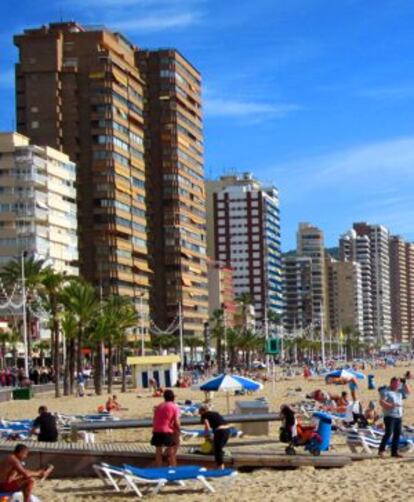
(163, 439)
(10, 486)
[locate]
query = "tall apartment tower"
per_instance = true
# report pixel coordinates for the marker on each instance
(79, 91)
(176, 191)
(357, 248)
(131, 120)
(378, 258)
(402, 289)
(247, 237)
(310, 242)
(409, 250)
(345, 295)
(297, 293)
(37, 204)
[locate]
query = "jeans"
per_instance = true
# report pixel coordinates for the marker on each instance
(221, 436)
(392, 428)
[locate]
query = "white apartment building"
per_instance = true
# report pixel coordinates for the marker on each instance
(354, 247)
(37, 204)
(369, 246)
(310, 242)
(246, 225)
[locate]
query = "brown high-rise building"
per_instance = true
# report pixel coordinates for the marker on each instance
(176, 193)
(409, 254)
(131, 120)
(402, 289)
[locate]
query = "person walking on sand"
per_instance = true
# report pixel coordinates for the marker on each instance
(166, 429)
(392, 404)
(15, 478)
(214, 422)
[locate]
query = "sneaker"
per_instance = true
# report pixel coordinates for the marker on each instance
(397, 455)
(381, 454)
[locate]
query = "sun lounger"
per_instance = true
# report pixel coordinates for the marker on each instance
(136, 476)
(112, 475)
(187, 434)
(369, 440)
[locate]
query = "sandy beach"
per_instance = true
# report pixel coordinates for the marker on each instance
(369, 480)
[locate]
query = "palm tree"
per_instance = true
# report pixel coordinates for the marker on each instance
(250, 342)
(163, 342)
(127, 319)
(217, 332)
(11, 274)
(193, 343)
(69, 329)
(233, 341)
(52, 283)
(4, 339)
(79, 297)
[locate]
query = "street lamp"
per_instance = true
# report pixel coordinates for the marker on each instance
(24, 314)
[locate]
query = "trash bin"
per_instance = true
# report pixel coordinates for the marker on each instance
(371, 382)
(324, 429)
(23, 393)
(253, 408)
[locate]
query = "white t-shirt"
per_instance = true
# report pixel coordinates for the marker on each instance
(394, 397)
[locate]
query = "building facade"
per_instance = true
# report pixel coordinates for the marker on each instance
(176, 191)
(310, 243)
(297, 288)
(357, 248)
(345, 296)
(131, 120)
(369, 246)
(247, 237)
(409, 250)
(221, 291)
(37, 204)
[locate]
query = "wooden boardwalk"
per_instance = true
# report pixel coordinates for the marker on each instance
(76, 459)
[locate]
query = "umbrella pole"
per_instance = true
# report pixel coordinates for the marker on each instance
(228, 402)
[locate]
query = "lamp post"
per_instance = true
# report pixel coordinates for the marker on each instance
(141, 323)
(322, 334)
(24, 314)
(181, 334)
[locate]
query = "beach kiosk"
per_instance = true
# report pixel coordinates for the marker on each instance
(163, 369)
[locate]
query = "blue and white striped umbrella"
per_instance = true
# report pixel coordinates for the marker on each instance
(348, 374)
(228, 383)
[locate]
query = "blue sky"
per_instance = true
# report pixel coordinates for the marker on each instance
(315, 96)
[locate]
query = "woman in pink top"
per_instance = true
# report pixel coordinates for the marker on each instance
(166, 429)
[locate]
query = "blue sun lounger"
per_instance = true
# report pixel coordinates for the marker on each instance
(162, 476)
(133, 477)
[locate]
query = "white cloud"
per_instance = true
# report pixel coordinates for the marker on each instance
(402, 91)
(219, 107)
(161, 21)
(375, 164)
(371, 182)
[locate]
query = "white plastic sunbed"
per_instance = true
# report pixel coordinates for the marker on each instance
(369, 440)
(161, 477)
(158, 477)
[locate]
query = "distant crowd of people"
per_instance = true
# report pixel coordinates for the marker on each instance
(16, 377)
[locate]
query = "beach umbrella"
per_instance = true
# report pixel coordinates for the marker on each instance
(346, 374)
(230, 383)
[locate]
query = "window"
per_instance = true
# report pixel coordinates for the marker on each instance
(34, 124)
(34, 109)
